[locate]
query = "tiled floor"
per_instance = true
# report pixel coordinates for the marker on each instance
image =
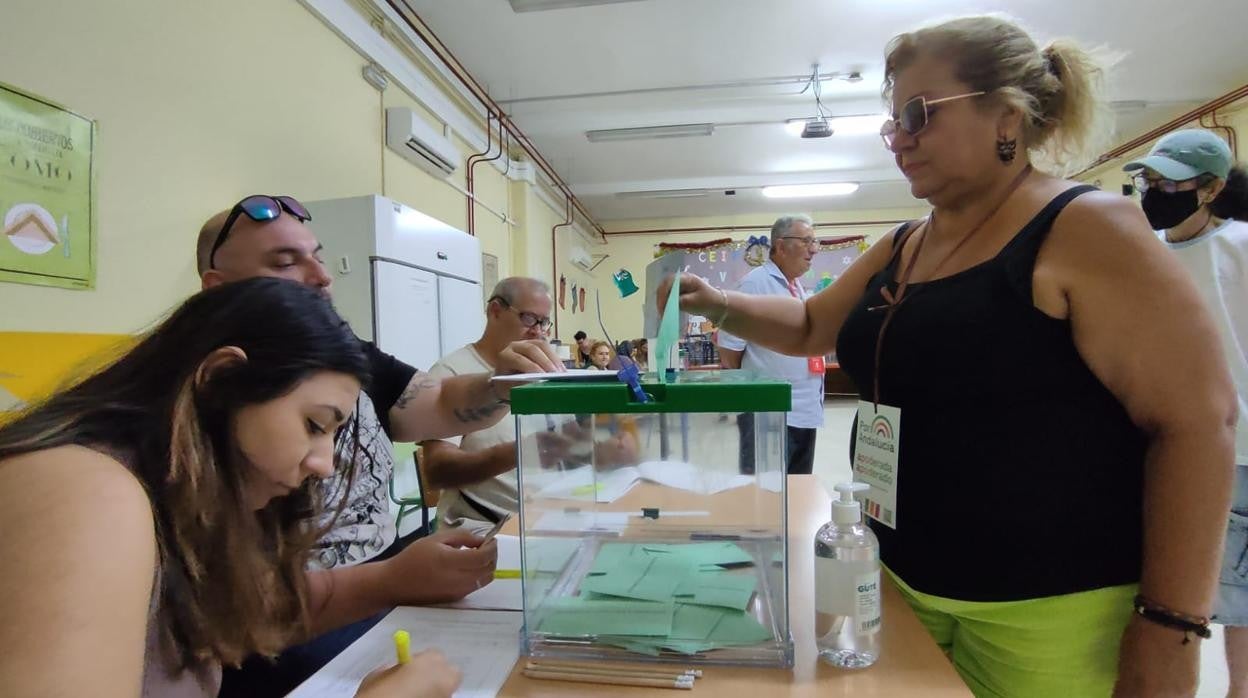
(832, 466)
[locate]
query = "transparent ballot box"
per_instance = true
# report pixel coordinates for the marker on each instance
(655, 530)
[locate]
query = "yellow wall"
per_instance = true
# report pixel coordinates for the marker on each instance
(1110, 176)
(202, 109)
(623, 316)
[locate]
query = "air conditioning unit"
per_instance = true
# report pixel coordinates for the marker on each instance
(419, 143)
(581, 257)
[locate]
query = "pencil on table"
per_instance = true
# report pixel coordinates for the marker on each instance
(685, 682)
(600, 670)
(570, 664)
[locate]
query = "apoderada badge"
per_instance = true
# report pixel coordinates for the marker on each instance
(877, 447)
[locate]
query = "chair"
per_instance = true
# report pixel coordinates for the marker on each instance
(409, 482)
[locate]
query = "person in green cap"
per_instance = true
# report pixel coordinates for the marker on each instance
(1197, 200)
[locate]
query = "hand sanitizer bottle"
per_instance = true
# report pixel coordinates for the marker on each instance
(847, 585)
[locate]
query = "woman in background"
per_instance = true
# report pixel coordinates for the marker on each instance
(1197, 200)
(158, 515)
(600, 354)
(641, 354)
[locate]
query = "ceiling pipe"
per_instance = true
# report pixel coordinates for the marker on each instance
(732, 228)
(472, 161)
(554, 254)
(1193, 115)
(435, 44)
(475, 160)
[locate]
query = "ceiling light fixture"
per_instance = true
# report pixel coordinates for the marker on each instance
(648, 132)
(663, 194)
(795, 191)
(540, 5)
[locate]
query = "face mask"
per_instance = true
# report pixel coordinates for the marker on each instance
(1165, 211)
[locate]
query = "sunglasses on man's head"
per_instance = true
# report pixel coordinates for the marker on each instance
(914, 115)
(259, 208)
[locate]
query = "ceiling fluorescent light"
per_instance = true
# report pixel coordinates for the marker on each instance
(794, 191)
(663, 194)
(539, 5)
(863, 124)
(647, 132)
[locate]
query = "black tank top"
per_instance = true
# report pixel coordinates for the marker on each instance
(1020, 474)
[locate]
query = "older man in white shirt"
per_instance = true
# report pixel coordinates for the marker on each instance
(793, 247)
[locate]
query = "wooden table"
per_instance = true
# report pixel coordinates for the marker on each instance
(910, 664)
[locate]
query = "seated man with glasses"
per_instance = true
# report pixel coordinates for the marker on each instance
(793, 246)
(477, 471)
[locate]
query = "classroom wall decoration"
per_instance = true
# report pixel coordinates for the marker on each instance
(724, 262)
(47, 192)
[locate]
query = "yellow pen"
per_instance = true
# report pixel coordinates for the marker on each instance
(402, 646)
(506, 574)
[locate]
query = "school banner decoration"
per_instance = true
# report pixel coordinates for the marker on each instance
(725, 261)
(47, 192)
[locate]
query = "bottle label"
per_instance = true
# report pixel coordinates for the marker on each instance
(867, 602)
(849, 588)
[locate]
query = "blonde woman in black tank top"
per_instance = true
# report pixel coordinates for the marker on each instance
(1019, 330)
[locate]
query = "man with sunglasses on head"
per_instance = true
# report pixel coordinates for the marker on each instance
(267, 236)
(793, 246)
(476, 472)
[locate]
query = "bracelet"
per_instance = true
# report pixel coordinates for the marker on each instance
(1156, 613)
(724, 315)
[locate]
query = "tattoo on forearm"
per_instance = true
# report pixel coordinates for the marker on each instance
(419, 383)
(467, 415)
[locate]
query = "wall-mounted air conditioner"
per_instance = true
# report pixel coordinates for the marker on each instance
(580, 257)
(419, 143)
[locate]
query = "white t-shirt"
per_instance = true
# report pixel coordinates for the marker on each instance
(807, 412)
(1218, 261)
(498, 494)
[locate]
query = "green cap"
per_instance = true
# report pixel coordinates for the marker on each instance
(1185, 154)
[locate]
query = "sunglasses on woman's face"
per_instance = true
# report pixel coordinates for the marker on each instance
(914, 116)
(259, 208)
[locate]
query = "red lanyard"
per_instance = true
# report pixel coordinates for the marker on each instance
(893, 302)
(793, 289)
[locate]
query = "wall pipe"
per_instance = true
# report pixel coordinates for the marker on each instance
(472, 164)
(554, 254)
(733, 228)
(1193, 115)
(435, 44)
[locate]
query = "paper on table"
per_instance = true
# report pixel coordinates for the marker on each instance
(580, 483)
(482, 644)
(669, 330)
(725, 590)
(576, 616)
(686, 476)
(771, 480)
(646, 579)
(572, 374)
(582, 522)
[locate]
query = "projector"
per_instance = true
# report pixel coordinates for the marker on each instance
(816, 128)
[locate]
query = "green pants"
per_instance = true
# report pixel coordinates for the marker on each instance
(1063, 646)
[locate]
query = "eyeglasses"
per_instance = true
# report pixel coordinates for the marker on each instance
(259, 208)
(1143, 183)
(914, 116)
(808, 242)
(526, 318)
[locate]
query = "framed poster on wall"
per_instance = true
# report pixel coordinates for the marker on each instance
(47, 192)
